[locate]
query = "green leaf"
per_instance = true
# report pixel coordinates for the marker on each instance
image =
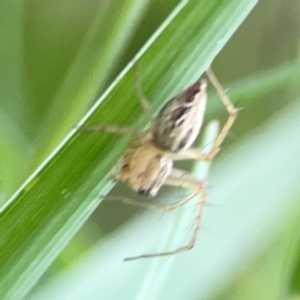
(12, 160)
(56, 200)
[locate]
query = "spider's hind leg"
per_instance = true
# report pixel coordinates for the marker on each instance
(232, 114)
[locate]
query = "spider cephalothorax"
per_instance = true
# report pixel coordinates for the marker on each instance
(145, 169)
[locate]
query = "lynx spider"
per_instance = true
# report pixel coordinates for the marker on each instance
(148, 162)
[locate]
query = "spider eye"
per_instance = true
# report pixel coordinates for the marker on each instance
(147, 192)
(144, 192)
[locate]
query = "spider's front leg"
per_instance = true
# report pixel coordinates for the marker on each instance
(126, 130)
(112, 129)
(184, 180)
(178, 178)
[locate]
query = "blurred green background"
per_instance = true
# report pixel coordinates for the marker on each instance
(58, 57)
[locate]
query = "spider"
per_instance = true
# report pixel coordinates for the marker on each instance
(148, 162)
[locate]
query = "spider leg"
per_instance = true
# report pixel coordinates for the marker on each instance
(177, 178)
(232, 114)
(185, 180)
(112, 129)
(147, 205)
(126, 130)
(143, 100)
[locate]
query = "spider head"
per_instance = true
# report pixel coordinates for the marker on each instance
(146, 192)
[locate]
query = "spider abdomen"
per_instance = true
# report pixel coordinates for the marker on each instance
(179, 122)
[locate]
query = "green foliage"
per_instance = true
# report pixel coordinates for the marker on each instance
(64, 55)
